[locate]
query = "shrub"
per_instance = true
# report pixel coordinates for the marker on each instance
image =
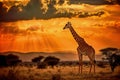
(101, 64)
(56, 77)
(51, 61)
(42, 65)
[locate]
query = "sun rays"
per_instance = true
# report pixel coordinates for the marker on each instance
(47, 35)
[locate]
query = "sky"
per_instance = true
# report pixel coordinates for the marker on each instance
(29, 26)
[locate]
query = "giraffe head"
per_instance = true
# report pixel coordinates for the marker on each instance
(68, 25)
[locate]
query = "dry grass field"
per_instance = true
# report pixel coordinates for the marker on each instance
(58, 73)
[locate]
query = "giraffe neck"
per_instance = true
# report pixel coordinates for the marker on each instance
(77, 38)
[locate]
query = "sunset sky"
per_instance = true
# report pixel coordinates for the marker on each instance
(26, 29)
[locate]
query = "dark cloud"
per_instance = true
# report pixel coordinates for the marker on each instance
(113, 1)
(3, 11)
(88, 14)
(95, 2)
(34, 9)
(61, 2)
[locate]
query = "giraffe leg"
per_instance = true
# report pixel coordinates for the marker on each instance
(91, 63)
(79, 55)
(81, 64)
(94, 65)
(90, 67)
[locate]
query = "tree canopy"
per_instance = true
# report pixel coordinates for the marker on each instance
(107, 50)
(9, 60)
(37, 59)
(51, 60)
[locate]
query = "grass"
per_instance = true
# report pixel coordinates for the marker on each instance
(58, 73)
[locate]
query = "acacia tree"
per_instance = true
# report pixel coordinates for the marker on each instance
(9, 60)
(12, 59)
(51, 61)
(108, 51)
(112, 56)
(3, 60)
(37, 59)
(114, 61)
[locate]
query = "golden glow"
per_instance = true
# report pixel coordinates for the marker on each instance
(48, 35)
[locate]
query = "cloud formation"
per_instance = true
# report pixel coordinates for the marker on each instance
(32, 28)
(35, 9)
(9, 29)
(43, 35)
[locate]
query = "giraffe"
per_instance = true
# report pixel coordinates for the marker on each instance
(82, 49)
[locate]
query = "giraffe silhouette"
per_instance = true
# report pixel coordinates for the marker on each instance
(82, 49)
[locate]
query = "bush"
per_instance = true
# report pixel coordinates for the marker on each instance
(41, 65)
(101, 64)
(9, 60)
(51, 61)
(12, 75)
(56, 77)
(37, 59)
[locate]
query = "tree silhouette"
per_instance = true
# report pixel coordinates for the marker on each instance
(114, 61)
(37, 59)
(9, 60)
(3, 60)
(51, 61)
(108, 51)
(12, 60)
(111, 56)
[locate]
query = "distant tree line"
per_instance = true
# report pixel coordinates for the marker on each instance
(9, 60)
(112, 55)
(43, 62)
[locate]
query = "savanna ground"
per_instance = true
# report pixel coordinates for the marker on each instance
(58, 73)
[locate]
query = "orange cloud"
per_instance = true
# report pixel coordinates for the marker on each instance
(48, 35)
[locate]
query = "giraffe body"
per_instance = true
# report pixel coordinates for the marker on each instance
(83, 48)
